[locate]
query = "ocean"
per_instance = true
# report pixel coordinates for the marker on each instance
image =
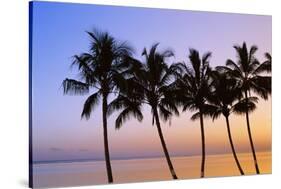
(62, 174)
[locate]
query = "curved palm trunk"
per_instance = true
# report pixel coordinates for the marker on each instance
(203, 145)
(232, 146)
(250, 138)
(173, 173)
(105, 138)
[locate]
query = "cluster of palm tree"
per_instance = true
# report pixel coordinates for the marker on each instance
(109, 68)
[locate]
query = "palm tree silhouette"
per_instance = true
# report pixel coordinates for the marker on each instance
(194, 87)
(266, 65)
(249, 74)
(224, 99)
(149, 85)
(100, 69)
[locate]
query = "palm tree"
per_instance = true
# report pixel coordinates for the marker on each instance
(100, 69)
(225, 99)
(149, 85)
(249, 74)
(194, 87)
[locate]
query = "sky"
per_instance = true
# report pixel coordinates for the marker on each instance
(59, 33)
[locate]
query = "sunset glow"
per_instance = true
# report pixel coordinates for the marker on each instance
(59, 133)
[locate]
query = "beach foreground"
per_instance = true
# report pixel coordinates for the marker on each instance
(139, 170)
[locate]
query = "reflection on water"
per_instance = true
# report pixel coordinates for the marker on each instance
(138, 170)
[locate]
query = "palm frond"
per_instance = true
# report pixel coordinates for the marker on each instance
(245, 105)
(117, 104)
(261, 85)
(125, 115)
(123, 49)
(71, 86)
(195, 62)
(268, 56)
(89, 105)
(264, 67)
(252, 52)
(164, 113)
(212, 111)
(195, 116)
(170, 104)
(234, 68)
(206, 57)
(223, 69)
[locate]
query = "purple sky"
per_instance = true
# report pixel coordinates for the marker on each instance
(59, 33)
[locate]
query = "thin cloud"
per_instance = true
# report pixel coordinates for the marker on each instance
(83, 150)
(54, 149)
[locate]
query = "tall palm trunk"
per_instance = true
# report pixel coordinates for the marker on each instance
(173, 173)
(203, 145)
(250, 138)
(105, 138)
(232, 146)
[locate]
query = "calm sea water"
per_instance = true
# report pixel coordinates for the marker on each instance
(139, 170)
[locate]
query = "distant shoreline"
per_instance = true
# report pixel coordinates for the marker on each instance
(134, 158)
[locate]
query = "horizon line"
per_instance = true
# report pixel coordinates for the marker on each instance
(136, 158)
